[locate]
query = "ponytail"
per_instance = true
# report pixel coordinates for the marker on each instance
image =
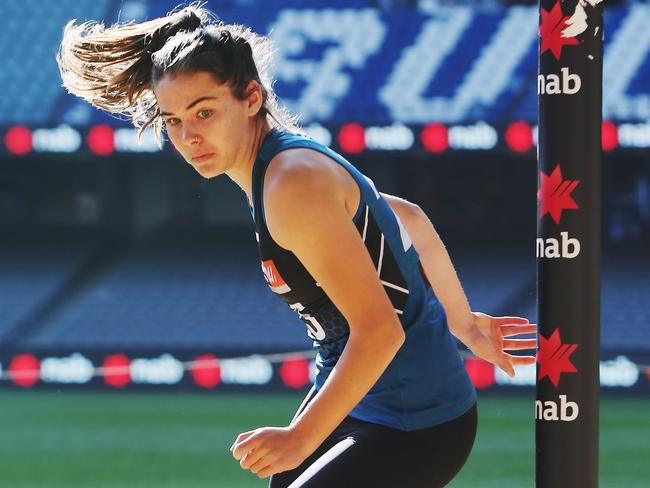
(115, 68)
(111, 67)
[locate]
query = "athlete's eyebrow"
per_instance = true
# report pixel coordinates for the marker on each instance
(198, 100)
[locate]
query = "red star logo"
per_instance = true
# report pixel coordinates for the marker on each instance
(550, 31)
(554, 357)
(554, 194)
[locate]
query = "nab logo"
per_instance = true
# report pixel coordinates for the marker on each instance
(566, 247)
(554, 357)
(549, 410)
(273, 278)
(568, 84)
(554, 194)
(551, 30)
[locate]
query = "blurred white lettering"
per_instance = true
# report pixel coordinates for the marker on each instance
(249, 371)
(63, 139)
(163, 370)
(75, 368)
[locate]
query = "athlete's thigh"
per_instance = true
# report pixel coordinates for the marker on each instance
(436, 454)
(364, 457)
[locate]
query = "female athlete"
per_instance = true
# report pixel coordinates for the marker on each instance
(391, 405)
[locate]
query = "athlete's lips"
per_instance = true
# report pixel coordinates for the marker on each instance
(202, 157)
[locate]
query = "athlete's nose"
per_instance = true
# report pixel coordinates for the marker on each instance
(190, 138)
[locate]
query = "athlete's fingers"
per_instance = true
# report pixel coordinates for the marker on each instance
(522, 360)
(264, 472)
(254, 456)
(510, 320)
(242, 437)
(510, 330)
(517, 344)
(260, 464)
(242, 448)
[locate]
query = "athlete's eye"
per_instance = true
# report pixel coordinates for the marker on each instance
(172, 121)
(205, 113)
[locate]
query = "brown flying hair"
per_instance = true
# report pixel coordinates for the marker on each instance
(115, 68)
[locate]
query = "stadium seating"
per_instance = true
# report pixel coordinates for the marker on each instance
(30, 32)
(202, 291)
(624, 300)
(194, 292)
(33, 273)
(493, 281)
(32, 95)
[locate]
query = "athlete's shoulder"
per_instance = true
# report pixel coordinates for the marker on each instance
(277, 140)
(296, 159)
(298, 173)
(298, 195)
(299, 177)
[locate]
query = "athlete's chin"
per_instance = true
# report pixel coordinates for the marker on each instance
(208, 170)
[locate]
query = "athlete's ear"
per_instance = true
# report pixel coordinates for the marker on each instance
(254, 98)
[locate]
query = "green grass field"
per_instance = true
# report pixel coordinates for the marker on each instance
(99, 440)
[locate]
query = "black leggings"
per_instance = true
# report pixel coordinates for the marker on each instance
(361, 454)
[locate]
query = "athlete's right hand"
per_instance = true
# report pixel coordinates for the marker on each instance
(487, 340)
(270, 450)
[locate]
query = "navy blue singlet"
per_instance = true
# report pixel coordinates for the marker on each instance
(426, 383)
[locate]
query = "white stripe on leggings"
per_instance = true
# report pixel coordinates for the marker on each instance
(322, 461)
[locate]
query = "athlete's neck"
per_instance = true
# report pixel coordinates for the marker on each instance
(242, 174)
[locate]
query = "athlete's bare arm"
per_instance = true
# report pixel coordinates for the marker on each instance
(435, 261)
(483, 334)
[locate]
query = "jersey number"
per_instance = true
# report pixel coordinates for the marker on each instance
(314, 329)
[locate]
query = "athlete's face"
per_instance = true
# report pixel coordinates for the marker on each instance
(205, 122)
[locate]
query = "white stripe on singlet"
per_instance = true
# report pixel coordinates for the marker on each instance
(365, 225)
(322, 461)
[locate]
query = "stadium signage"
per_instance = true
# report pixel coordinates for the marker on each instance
(341, 81)
(396, 137)
(473, 137)
(155, 371)
(619, 372)
(331, 80)
(566, 411)
(62, 139)
(518, 137)
(247, 371)
(126, 140)
(570, 64)
(634, 135)
(552, 84)
(555, 32)
(554, 194)
(319, 133)
(75, 368)
(565, 247)
(554, 357)
(79, 369)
